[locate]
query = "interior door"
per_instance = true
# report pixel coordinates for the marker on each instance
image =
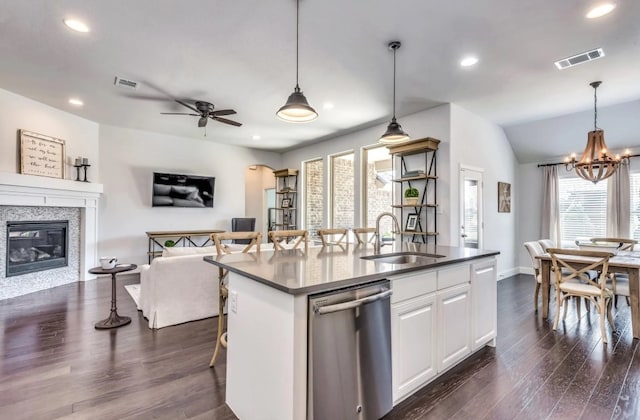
(471, 218)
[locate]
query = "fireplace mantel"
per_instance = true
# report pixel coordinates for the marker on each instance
(30, 190)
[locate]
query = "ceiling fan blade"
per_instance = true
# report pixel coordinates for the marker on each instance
(179, 113)
(226, 121)
(222, 112)
(202, 122)
(187, 105)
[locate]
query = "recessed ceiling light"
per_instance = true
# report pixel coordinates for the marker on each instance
(76, 25)
(469, 61)
(256, 137)
(600, 10)
(76, 102)
(328, 105)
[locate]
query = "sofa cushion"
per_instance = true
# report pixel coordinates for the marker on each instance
(178, 251)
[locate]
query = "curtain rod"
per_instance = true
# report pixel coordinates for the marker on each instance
(540, 165)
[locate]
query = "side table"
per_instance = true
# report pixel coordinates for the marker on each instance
(114, 319)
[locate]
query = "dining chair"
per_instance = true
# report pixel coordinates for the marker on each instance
(535, 250)
(362, 233)
(328, 236)
(289, 239)
(577, 264)
(546, 244)
(619, 282)
(252, 239)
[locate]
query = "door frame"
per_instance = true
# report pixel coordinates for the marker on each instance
(480, 171)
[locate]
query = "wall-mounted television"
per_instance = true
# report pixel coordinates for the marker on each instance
(176, 190)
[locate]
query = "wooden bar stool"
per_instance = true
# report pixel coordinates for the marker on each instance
(327, 236)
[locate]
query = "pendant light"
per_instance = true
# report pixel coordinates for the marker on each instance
(394, 133)
(595, 164)
(297, 108)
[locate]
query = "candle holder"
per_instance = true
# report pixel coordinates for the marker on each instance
(78, 171)
(85, 166)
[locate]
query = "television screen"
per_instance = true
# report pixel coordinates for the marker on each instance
(182, 190)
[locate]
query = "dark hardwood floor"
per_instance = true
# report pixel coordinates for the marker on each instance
(54, 364)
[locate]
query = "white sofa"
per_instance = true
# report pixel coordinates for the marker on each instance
(179, 287)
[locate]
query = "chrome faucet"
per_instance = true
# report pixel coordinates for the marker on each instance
(378, 242)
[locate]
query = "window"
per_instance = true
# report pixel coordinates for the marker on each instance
(342, 190)
(583, 209)
(377, 194)
(313, 195)
(635, 205)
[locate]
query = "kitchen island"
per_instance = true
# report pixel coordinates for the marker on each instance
(443, 308)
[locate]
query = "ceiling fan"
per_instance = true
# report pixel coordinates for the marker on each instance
(205, 111)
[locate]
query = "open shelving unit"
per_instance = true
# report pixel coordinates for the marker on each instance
(414, 164)
(285, 217)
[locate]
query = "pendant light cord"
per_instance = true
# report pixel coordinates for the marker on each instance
(595, 108)
(297, 41)
(394, 83)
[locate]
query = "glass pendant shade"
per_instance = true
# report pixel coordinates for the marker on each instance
(394, 134)
(595, 165)
(297, 108)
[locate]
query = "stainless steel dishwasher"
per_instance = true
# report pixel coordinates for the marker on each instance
(349, 361)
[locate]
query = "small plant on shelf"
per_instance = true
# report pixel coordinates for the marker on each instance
(169, 243)
(411, 195)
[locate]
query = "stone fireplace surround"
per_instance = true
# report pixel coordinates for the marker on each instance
(38, 195)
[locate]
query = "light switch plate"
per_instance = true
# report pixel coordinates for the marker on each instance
(233, 301)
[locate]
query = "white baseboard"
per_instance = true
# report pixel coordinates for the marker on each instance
(508, 273)
(526, 270)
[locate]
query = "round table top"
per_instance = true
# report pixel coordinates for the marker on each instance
(120, 268)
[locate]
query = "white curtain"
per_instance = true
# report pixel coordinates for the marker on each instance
(551, 206)
(618, 203)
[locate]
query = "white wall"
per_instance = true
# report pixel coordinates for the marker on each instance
(529, 209)
(433, 122)
(128, 159)
(480, 143)
(17, 112)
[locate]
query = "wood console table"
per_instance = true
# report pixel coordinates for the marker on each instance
(183, 237)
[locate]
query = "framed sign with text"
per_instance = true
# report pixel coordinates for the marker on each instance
(41, 155)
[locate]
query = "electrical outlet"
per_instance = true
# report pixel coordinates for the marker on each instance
(233, 301)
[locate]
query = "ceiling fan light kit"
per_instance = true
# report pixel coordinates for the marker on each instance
(394, 134)
(297, 108)
(596, 163)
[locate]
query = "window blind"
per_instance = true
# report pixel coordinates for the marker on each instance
(583, 208)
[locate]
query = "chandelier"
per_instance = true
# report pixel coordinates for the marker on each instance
(596, 163)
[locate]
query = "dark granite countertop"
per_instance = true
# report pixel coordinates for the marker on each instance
(333, 267)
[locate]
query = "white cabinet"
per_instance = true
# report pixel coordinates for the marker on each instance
(454, 325)
(484, 302)
(413, 328)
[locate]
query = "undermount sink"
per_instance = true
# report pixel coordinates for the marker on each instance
(404, 258)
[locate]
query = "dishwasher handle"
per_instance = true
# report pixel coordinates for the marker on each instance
(352, 304)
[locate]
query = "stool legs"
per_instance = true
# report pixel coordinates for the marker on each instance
(221, 339)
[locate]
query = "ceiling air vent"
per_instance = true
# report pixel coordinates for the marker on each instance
(125, 83)
(579, 59)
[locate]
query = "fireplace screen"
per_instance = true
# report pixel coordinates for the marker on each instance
(36, 246)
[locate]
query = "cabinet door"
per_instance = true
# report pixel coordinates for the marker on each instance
(454, 325)
(413, 327)
(484, 302)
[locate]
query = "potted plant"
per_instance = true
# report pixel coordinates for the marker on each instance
(169, 243)
(411, 196)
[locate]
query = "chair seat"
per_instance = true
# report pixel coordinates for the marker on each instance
(582, 288)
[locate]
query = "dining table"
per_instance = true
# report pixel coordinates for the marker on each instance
(627, 262)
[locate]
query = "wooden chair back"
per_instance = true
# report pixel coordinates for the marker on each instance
(361, 235)
(624, 244)
(254, 239)
(569, 264)
(280, 238)
(326, 236)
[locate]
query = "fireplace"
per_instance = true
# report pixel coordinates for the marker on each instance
(36, 246)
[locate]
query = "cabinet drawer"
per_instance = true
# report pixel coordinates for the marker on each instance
(412, 285)
(448, 277)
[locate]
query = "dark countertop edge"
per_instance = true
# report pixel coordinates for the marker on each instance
(317, 288)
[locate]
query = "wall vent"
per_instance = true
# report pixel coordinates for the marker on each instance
(125, 83)
(584, 57)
